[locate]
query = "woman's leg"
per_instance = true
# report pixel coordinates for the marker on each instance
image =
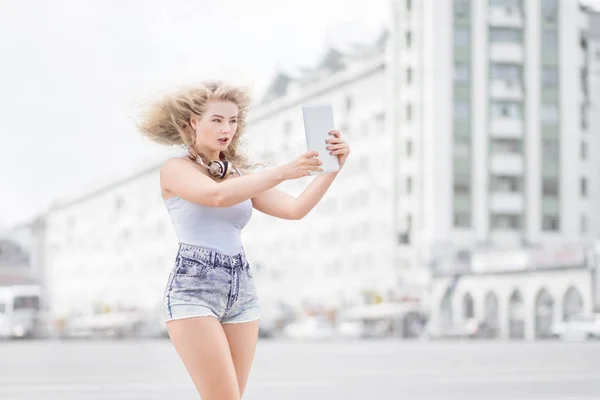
(202, 345)
(242, 338)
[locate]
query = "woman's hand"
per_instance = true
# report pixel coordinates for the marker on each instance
(338, 147)
(302, 166)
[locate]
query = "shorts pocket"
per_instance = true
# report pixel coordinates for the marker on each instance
(191, 267)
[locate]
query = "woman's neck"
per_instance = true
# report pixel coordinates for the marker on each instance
(207, 155)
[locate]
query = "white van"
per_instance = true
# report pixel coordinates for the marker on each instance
(19, 311)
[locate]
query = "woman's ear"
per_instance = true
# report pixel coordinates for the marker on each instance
(193, 122)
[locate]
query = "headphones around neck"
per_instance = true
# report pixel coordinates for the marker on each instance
(217, 168)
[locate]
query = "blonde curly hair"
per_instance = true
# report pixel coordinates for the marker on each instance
(167, 120)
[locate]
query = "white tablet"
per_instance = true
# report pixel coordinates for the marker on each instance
(318, 122)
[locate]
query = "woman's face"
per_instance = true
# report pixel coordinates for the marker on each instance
(217, 127)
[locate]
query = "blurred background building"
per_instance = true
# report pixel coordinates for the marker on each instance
(472, 192)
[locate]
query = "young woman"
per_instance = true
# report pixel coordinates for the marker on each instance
(210, 301)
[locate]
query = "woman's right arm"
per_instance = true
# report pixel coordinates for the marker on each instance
(182, 179)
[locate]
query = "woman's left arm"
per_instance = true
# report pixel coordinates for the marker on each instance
(282, 205)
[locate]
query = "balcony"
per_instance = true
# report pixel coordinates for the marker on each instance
(506, 17)
(506, 90)
(506, 237)
(506, 128)
(507, 52)
(506, 164)
(507, 202)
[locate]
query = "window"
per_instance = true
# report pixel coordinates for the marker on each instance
(462, 184)
(506, 146)
(408, 185)
(550, 187)
(506, 35)
(26, 302)
(462, 146)
(408, 112)
(408, 39)
(511, 74)
(506, 3)
(462, 36)
(549, 41)
(550, 149)
(408, 5)
(549, 77)
(379, 123)
(583, 187)
(584, 152)
(506, 221)
(549, 113)
(348, 103)
(408, 148)
(287, 127)
(119, 202)
(506, 109)
(583, 223)
(550, 10)
(461, 73)
(408, 75)
(364, 163)
(462, 220)
(461, 110)
(461, 8)
(550, 223)
(506, 183)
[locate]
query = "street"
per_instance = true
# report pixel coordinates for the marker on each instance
(385, 369)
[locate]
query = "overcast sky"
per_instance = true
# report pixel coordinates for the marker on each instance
(71, 71)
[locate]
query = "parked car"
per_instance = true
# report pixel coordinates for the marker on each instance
(310, 328)
(578, 327)
(458, 330)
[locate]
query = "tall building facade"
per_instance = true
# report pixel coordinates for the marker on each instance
(498, 201)
(488, 97)
(591, 143)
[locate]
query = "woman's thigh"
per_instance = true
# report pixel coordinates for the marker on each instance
(242, 338)
(203, 347)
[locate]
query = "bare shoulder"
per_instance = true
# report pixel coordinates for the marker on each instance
(174, 170)
(173, 163)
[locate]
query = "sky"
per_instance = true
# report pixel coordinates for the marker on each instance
(73, 71)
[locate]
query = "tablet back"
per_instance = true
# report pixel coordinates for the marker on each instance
(318, 122)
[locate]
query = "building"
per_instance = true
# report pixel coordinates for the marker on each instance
(491, 119)
(341, 253)
(591, 148)
(483, 155)
(111, 249)
(497, 115)
(21, 254)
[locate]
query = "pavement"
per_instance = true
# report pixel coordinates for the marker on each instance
(381, 369)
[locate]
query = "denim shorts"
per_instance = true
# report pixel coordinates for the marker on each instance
(204, 282)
